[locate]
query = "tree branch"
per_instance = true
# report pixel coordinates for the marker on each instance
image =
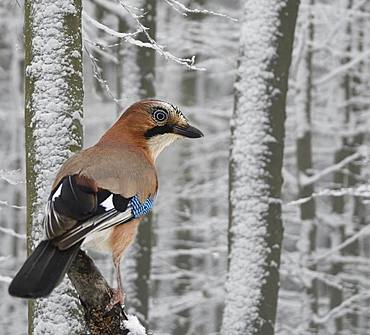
(95, 294)
(308, 180)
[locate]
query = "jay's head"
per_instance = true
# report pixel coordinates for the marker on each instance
(157, 124)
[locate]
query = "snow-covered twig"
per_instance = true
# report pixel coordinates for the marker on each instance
(11, 232)
(342, 69)
(12, 177)
(101, 50)
(363, 232)
(361, 191)
(99, 77)
(129, 38)
(308, 180)
(294, 269)
(337, 26)
(110, 7)
(181, 8)
(6, 204)
(125, 36)
(5, 279)
(188, 62)
(341, 309)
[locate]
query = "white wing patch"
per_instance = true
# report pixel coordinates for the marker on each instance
(57, 192)
(108, 203)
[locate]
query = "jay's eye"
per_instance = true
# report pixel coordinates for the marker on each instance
(160, 116)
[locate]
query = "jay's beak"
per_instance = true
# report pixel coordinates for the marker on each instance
(188, 131)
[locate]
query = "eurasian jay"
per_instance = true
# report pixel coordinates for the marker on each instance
(100, 195)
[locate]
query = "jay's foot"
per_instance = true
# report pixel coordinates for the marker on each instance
(117, 298)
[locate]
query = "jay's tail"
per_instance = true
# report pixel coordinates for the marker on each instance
(43, 271)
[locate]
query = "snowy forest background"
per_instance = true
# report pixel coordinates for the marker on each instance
(325, 276)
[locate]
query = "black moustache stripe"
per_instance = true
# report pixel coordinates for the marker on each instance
(158, 130)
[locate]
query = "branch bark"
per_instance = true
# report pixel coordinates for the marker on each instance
(95, 294)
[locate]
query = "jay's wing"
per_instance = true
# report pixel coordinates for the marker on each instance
(77, 209)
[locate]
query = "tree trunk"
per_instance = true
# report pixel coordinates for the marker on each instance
(184, 237)
(338, 234)
(6, 53)
(256, 158)
(53, 112)
(98, 88)
(307, 243)
(146, 66)
(352, 86)
(360, 317)
(119, 67)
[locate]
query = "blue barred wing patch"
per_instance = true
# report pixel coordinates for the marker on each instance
(109, 218)
(140, 209)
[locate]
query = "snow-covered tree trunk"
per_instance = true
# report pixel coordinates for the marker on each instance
(53, 112)
(256, 156)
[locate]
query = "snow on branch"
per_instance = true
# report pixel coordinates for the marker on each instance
(361, 191)
(98, 75)
(152, 44)
(342, 69)
(6, 204)
(301, 274)
(109, 31)
(345, 307)
(182, 9)
(11, 232)
(308, 180)
(363, 232)
(13, 177)
(343, 17)
(110, 7)
(5, 279)
(188, 62)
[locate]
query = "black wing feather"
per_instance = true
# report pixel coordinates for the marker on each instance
(72, 213)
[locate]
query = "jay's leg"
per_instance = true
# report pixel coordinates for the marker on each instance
(118, 294)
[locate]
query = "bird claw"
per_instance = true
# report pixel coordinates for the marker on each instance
(118, 297)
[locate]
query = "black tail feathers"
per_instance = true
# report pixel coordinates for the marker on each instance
(43, 271)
